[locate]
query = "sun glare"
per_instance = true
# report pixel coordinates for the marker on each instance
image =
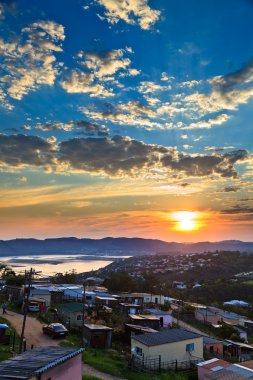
(186, 220)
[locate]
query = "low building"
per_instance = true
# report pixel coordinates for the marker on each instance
(206, 316)
(71, 314)
(151, 321)
(97, 336)
(130, 308)
(165, 318)
(216, 369)
(44, 363)
(167, 346)
(132, 330)
(42, 294)
(209, 366)
(213, 346)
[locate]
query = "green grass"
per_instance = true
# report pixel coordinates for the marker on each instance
(114, 363)
(7, 351)
(90, 377)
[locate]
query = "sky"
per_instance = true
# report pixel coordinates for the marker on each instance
(126, 118)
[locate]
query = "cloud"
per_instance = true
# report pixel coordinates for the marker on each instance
(82, 126)
(206, 124)
(106, 63)
(230, 189)
(99, 70)
(133, 113)
(149, 87)
(21, 150)
(29, 60)
(22, 179)
(201, 165)
(131, 11)
(237, 209)
(218, 149)
(115, 157)
(227, 92)
(80, 82)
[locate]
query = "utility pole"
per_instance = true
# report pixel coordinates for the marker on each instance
(83, 312)
(26, 299)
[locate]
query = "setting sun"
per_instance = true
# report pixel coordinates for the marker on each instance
(186, 220)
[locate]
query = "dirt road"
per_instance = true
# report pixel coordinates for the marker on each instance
(88, 370)
(33, 330)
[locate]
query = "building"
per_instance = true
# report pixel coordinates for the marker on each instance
(165, 318)
(217, 369)
(97, 336)
(44, 363)
(71, 314)
(213, 346)
(209, 366)
(172, 345)
(206, 316)
(150, 321)
(132, 330)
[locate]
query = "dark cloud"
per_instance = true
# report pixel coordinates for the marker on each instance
(227, 83)
(230, 189)
(112, 156)
(201, 165)
(18, 150)
(237, 209)
(185, 184)
(83, 127)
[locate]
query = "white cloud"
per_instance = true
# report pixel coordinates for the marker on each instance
(29, 61)
(133, 12)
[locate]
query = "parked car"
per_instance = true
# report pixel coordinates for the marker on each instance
(33, 306)
(55, 330)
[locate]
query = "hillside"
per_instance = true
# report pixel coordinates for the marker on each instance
(119, 246)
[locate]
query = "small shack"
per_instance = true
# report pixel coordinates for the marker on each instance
(97, 336)
(150, 321)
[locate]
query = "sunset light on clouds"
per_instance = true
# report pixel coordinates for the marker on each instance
(126, 118)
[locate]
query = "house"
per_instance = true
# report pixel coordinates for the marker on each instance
(213, 346)
(238, 303)
(210, 366)
(172, 345)
(130, 308)
(97, 336)
(106, 300)
(43, 294)
(71, 314)
(133, 298)
(165, 318)
(206, 316)
(145, 320)
(241, 351)
(217, 369)
(44, 363)
(132, 330)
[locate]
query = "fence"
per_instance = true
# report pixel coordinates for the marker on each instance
(155, 364)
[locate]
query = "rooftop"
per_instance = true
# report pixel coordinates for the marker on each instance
(92, 326)
(71, 307)
(166, 336)
(36, 362)
(155, 312)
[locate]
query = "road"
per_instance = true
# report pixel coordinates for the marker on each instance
(33, 331)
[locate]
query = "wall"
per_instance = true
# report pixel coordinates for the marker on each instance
(213, 319)
(69, 370)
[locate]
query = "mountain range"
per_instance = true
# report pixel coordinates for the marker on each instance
(114, 246)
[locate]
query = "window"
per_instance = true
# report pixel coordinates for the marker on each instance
(79, 317)
(138, 351)
(190, 347)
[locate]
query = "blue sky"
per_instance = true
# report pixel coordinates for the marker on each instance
(126, 110)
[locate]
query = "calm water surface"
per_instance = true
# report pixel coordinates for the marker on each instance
(51, 264)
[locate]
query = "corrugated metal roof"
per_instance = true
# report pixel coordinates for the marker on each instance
(155, 312)
(166, 336)
(71, 307)
(36, 361)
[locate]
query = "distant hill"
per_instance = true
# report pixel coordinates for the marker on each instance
(119, 246)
